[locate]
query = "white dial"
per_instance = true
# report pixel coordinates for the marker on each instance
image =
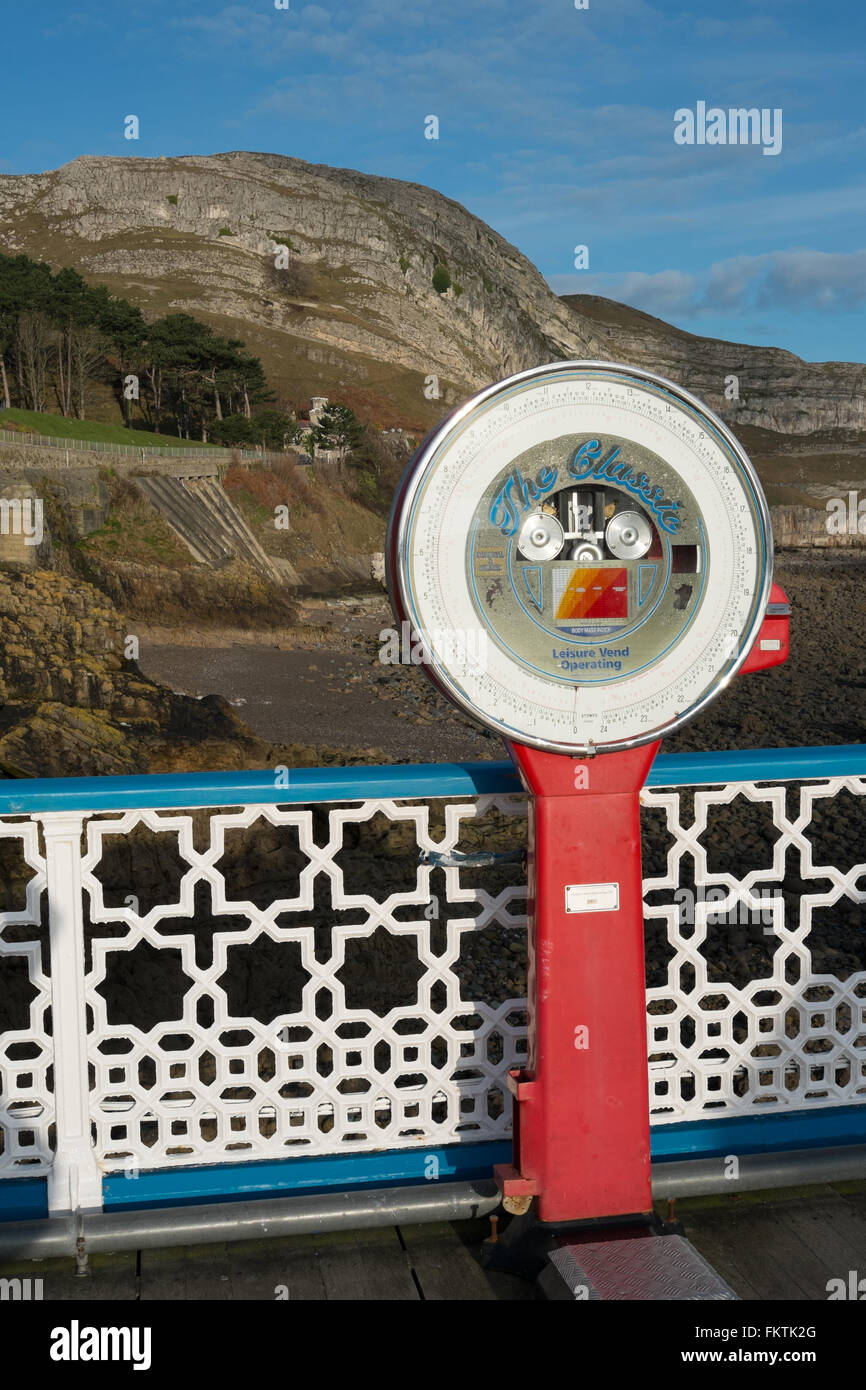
(585, 552)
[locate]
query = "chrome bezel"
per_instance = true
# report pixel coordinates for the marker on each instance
(396, 552)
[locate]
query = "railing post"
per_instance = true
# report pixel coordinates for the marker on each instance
(75, 1180)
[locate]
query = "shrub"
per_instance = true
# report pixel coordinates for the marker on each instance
(232, 430)
(441, 278)
(269, 487)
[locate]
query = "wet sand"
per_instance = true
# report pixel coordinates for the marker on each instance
(335, 691)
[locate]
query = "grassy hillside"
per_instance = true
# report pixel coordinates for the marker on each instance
(331, 534)
(97, 431)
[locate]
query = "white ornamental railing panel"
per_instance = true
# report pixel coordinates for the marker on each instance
(795, 1035)
(302, 976)
(214, 1081)
(26, 1047)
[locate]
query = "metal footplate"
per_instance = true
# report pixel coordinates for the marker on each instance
(641, 1269)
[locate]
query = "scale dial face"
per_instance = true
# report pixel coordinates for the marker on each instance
(584, 551)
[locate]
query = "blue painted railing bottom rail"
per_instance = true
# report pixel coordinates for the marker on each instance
(25, 1199)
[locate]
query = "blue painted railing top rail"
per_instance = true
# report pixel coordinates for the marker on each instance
(183, 790)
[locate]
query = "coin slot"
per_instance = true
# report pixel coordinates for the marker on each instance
(685, 559)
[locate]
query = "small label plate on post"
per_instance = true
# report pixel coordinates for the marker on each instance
(591, 897)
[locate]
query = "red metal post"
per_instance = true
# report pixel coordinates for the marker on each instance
(581, 1103)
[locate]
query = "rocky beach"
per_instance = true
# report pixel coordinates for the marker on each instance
(324, 681)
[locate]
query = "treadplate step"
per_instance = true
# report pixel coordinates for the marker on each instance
(645, 1268)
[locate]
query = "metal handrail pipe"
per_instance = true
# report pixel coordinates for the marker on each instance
(262, 1219)
(700, 1177)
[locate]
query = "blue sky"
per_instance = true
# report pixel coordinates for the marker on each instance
(556, 125)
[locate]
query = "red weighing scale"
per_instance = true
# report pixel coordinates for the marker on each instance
(584, 552)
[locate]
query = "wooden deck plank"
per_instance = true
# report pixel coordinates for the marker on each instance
(720, 1253)
(181, 1272)
(763, 1246)
(446, 1257)
(112, 1278)
(246, 1270)
(854, 1195)
(833, 1229)
(259, 1269)
(445, 1268)
(368, 1266)
(768, 1276)
(291, 1264)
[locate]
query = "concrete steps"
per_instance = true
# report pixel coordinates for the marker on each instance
(201, 513)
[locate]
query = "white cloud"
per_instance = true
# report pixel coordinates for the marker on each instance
(813, 280)
(667, 293)
(790, 281)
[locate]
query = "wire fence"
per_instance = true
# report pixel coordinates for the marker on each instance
(199, 452)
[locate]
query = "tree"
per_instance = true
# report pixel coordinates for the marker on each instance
(232, 431)
(87, 352)
(188, 364)
(124, 326)
(25, 285)
(249, 381)
(70, 307)
(273, 429)
(58, 333)
(174, 349)
(34, 340)
(339, 428)
(4, 380)
(379, 461)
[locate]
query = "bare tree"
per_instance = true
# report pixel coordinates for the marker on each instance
(5, 341)
(88, 348)
(211, 378)
(63, 349)
(34, 342)
(154, 374)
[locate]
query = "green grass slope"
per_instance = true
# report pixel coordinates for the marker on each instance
(97, 431)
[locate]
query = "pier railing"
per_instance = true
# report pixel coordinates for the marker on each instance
(222, 983)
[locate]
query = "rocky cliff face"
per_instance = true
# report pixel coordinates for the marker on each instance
(200, 234)
(355, 314)
(777, 391)
(70, 704)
